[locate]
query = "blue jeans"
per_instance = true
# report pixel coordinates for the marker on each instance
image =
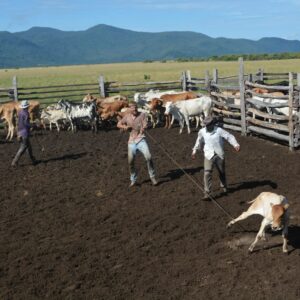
(141, 146)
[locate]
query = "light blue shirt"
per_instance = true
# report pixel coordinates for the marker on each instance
(213, 142)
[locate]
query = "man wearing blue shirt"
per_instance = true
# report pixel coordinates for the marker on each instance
(211, 139)
(23, 134)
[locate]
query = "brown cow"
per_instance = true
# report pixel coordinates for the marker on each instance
(90, 98)
(110, 110)
(7, 113)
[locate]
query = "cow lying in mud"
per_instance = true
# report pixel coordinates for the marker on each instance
(274, 209)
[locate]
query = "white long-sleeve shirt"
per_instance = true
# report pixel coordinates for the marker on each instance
(213, 142)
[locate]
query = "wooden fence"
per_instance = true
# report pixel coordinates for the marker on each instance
(238, 111)
(237, 104)
(75, 92)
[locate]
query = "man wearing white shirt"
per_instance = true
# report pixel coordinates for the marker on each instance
(212, 137)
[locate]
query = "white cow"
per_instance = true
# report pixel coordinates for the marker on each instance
(183, 110)
(274, 209)
(53, 115)
(276, 110)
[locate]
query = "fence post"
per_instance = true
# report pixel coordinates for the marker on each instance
(207, 82)
(298, 79)
(261, 75)
(15, 88)
(183, 81)
(188, 80)
(215, 76)
(102, 86)
(291, 123)
(250, 77)
(242, 96)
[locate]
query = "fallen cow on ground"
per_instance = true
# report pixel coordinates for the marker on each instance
(274, 209)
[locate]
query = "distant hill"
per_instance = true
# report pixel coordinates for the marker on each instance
(41, 46)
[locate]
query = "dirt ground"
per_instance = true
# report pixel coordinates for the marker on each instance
(72, 229)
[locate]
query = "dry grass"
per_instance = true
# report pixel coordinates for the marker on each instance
(127, 72)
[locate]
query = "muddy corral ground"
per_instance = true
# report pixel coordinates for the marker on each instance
(71, 228)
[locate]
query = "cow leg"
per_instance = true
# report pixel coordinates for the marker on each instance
(284, 236)
(10, 133)
(151, 119)
(284, 246)
(72, 125)
(181, 124)
(260, 233)
(187, 121)
(167, 121)
(197, 121)
(243, 216)
(170, 119)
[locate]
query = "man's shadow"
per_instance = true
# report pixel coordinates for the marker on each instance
(177, 173)
(248, 185)
(64, 157)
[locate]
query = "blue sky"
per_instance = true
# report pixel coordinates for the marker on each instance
(217, 18)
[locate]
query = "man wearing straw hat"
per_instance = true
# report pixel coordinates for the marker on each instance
(23, 134)
(136, 123)
(213, 139)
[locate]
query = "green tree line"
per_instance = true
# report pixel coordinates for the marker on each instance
(234, 57)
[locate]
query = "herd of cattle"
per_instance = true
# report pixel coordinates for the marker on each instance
(160, 107)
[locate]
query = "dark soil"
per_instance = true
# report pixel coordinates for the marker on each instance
(72, 229)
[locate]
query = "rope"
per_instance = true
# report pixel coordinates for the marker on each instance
(192, 179)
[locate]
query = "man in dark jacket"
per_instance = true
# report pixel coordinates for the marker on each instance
(23, 134)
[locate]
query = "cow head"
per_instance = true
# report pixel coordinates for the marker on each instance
(278, 212)
(88, 98)
(169, 106)
(155, 104)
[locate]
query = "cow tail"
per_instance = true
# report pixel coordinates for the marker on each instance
(251, 201)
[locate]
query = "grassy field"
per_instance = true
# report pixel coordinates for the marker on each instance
(128, 72)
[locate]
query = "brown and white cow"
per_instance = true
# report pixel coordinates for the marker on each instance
(274, 209)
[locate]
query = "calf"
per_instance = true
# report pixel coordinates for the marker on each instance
(274, 209)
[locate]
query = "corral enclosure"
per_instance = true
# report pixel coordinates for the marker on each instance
(71, 228)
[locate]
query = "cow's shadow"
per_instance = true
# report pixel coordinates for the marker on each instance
(293, 239)
(177, 173)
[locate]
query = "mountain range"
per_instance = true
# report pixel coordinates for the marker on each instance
(41, 46)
